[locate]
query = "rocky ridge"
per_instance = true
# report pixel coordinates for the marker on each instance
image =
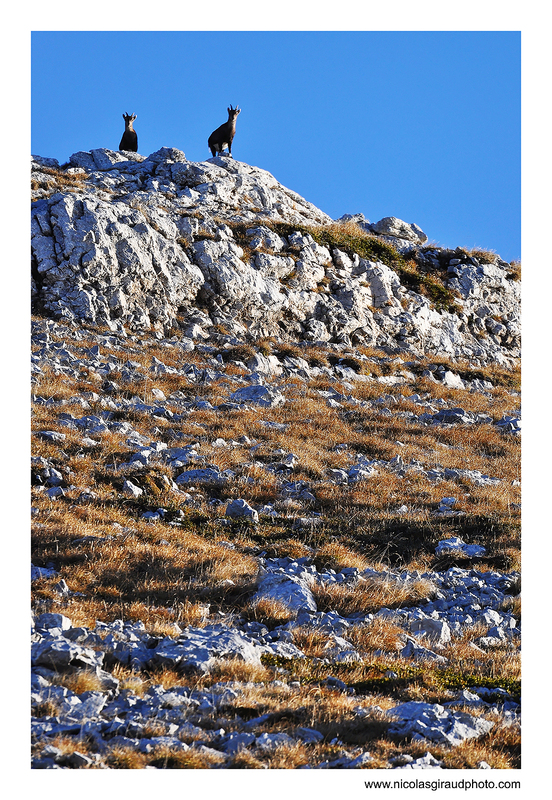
(121, 240)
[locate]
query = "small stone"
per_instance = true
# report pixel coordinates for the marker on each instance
(235, 742)
(52, 436)
(131, 490)
(437, 631)
(418, 653)
(310, 735)
(55, 493)
(455, 545)
(240, 508)
(270, 741)
(77, 760)
(259, 395)
(48, 621)
(41, 572)
(289, 590)
(360, 761)
(433, 722)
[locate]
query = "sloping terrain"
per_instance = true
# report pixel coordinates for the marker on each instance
(275, 480)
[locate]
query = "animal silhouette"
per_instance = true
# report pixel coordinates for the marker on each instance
(130, 137)
(224, 135)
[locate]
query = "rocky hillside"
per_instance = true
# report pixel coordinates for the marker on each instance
(169, 244)
(275, 480)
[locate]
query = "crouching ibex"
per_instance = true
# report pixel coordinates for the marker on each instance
(224, 135)
(130, 137)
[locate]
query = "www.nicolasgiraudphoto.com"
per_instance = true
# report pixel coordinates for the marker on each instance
(442, 784)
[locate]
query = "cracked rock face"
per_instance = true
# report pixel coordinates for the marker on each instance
(104, 261)
(149, 243)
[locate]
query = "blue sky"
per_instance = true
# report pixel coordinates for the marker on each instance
(424, 126)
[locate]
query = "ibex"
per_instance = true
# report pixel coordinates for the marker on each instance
(130, 137)
(224, 135)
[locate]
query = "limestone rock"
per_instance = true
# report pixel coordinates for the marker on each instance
(437, 631)
(207, 475)
(456, 546)
(427, 721)
(48, 621)
(61, 654)
(198, 649)
(234, 742)
(241, 508)
(259, 395)
(131, 490)
(391, 226)
(270, 741)
(420, 653)
(292, 592)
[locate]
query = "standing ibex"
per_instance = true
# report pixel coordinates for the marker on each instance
(130, 137)
(224, 135)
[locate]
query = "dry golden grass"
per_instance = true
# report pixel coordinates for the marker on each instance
(379, 635)
(234, 669)
(270, 612)
(503, 661)
(244, 759)
(311, 641)
(166, 758)
(81, 680)
(287, 756)
(138, 570)
(126, 758)
(166, 572)
(369, 596)
(66, 745)
(48, 708)
(500, 750)
(311, 706)
(53, 180)
(335, 555)
(288, 547)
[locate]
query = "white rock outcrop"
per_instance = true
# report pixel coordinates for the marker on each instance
(160, 242)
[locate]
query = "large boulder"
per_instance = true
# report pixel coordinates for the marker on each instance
(392, 226)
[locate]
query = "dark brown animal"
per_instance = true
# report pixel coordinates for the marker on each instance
(224, 135)
(130, 137)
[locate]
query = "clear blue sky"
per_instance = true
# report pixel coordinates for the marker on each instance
(424, 126)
